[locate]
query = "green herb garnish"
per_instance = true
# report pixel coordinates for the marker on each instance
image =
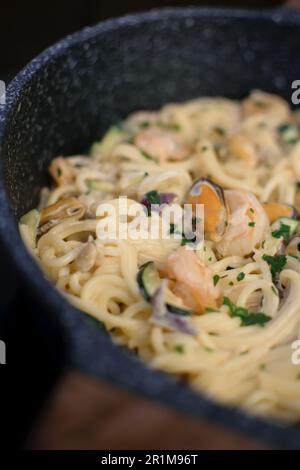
(247, 318)
(144, 124)
(210, 310)
(244, 352)
(179, 348)
(251, 224)
(220, 130)
(153, 197)
(276, 263)
(284, 231)
(148, 157)
(240, 276)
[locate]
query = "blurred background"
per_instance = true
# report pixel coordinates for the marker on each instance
(81, 412)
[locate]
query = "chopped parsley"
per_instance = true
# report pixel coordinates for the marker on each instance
(260, 104)
(210, 310)
(244, 352)
(216, 278)
(293, 256)
(283, 231)
(172, 126)
(153, 197)
(262, 366)
(148, 157)
(240, 276)
(220, 130)
(251, 210)
(231, 283)
(276, 263)
(247, 318)
(204, 148)
(144, 124)
(251, 224)
(58, 171)
(179, 348)
(297, 185)
(186, 241)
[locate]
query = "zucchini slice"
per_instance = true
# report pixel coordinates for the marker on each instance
(148, 281)
(28, 226)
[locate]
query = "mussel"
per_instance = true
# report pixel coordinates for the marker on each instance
(205, 192)
(276, 210)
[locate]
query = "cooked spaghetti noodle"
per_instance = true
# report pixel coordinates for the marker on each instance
(236, 296)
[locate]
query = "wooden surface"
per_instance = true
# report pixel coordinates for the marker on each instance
(85, 413)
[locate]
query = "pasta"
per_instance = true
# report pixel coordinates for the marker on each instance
(223, 312)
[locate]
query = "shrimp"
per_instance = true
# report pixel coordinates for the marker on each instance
(241, 147)
(161, 144)
(247, 224)
(192, 281)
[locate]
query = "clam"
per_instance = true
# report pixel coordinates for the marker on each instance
(70, 208)
(276, 210)
(212, 197)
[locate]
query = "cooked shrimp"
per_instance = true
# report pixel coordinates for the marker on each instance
(240, 146)
(247, 224)
(193, 281)
(161, 144)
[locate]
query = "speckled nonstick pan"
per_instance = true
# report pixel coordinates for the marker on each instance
(65, 99)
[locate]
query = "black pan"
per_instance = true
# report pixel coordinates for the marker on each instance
(65, 99)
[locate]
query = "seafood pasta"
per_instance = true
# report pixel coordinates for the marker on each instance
(223, 313)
